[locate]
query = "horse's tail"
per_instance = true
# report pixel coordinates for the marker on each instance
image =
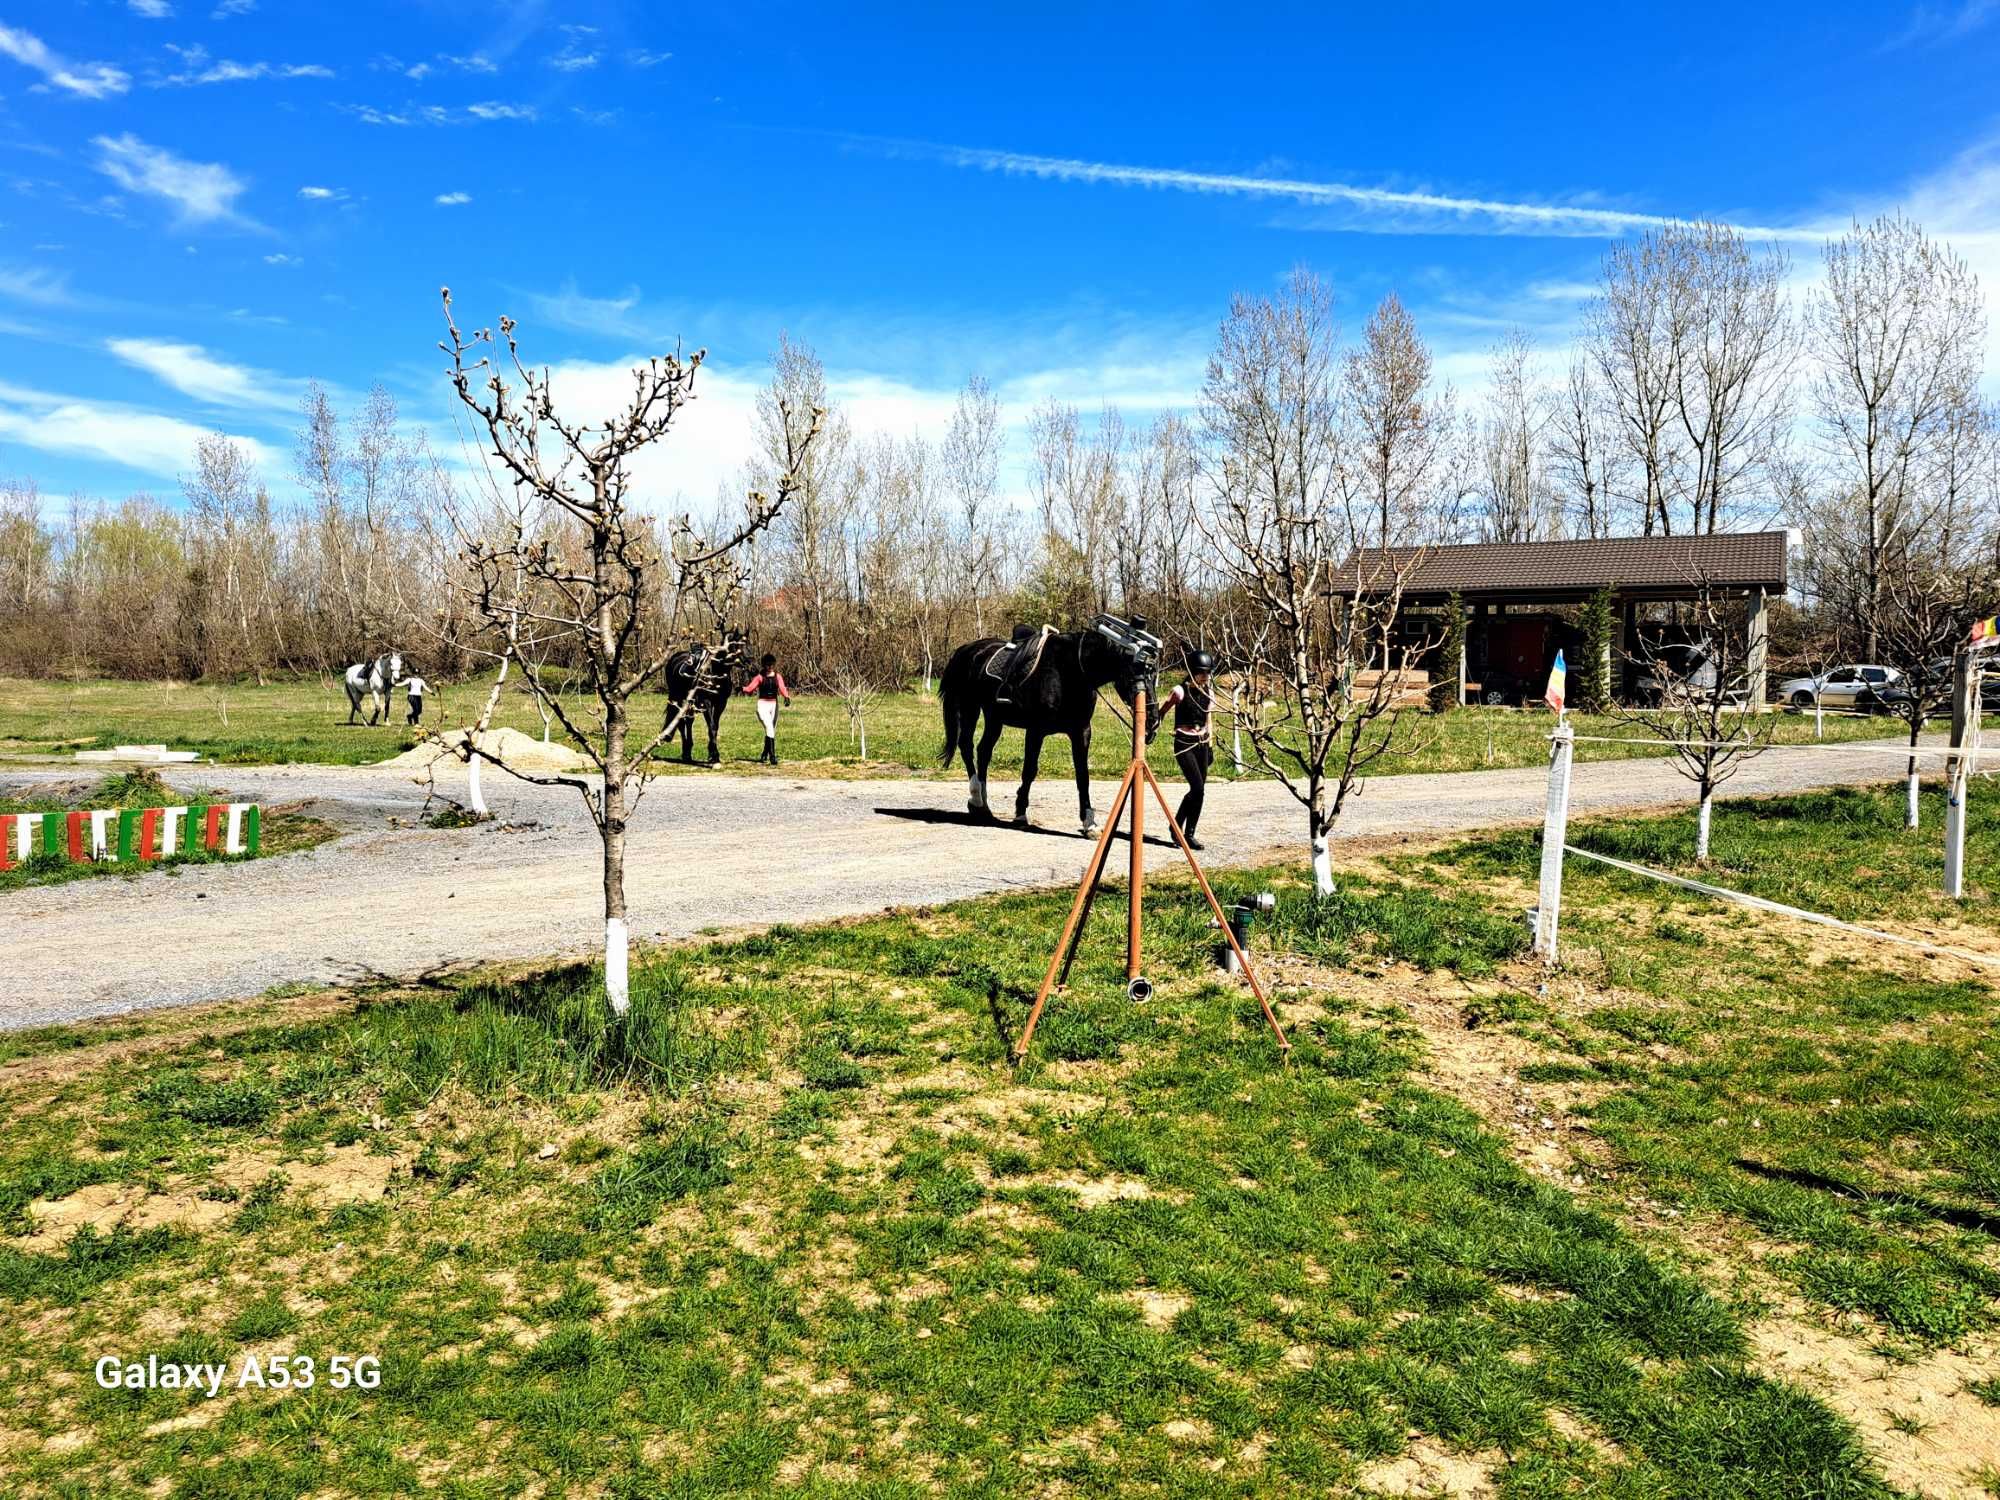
(955, 698)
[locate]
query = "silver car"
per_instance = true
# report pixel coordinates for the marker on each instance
(1839, 687)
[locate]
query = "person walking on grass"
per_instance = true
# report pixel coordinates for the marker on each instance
(1192, 704)
(417, 688)
(769, 686)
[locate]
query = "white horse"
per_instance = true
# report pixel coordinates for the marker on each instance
(373, 680)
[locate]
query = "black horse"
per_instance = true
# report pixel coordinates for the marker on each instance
(700, 681)
(1058, 698)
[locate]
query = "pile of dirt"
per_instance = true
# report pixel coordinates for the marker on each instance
(510, 745)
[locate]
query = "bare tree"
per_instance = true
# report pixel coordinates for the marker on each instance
(1584, 458)
(972, 480)
(1077, 479)
(580, 471)
(1306, 630)
(1403, 430)
(1520, 506)
(1731, 364)
(1701, 707)
(1897, 330)
(1633, 339)
(1929, 605)
(812, 526)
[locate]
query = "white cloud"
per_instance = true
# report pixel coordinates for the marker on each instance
(230, 8)
(569, 60)
(152, 10)
(1562, 291)
(227, 70)
(417, 72)
(85, 80)
(280, 258)
(34, 284)
(323, 194)
(193, 371)
(202, 191)
(478, 62)
(1933, 23)
(640, 57)
(437, 114)
(715, 435)
(1409, 210)
(134, 438)
(452, 200)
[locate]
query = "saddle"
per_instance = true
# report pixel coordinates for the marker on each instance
(1016, 661)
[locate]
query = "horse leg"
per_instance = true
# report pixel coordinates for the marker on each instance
(1031, 762)
(1079, 751)
(988, 738)
(687, 734)
(714, 723)
(974, 793)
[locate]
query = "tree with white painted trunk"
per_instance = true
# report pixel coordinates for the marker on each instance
(591, 578)
(1928, 606)
(1702, 707)
(1311, 625)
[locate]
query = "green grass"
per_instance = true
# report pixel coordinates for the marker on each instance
(304, 722)
(1831, 1096)
(796, 1225)
(281, 832)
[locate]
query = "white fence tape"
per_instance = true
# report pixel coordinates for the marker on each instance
(1901, 752)
(1760, 903)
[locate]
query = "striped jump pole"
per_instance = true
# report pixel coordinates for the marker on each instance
(140, 835)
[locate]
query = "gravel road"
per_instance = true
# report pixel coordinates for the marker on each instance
(388, 899)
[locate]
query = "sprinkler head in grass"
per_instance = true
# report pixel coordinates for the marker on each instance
(1140, 990)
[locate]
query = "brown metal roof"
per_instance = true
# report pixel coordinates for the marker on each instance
(1632, 564)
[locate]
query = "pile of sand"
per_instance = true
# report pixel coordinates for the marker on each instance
(510, 745)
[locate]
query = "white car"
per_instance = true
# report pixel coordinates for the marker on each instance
(1839, 687)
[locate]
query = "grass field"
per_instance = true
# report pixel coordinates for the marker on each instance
(283, 831)
(797, 1229)
(304, 722)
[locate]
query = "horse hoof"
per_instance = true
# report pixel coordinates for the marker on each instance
(1020, 820)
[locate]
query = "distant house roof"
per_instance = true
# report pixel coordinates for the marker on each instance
(1652, 566)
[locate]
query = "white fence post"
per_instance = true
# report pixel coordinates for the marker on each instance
(1555, 832)
(1965, 710)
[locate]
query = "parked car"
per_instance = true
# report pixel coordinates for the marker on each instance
(1688, 665)
(1840, 687)
(1940, 672)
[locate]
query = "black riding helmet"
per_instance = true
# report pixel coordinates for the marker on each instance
(1200, 662)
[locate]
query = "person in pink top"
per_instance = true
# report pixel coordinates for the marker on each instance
(769, 686)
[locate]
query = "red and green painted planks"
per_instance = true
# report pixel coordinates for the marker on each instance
(134, 834)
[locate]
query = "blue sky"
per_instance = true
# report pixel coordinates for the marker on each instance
(203, 203)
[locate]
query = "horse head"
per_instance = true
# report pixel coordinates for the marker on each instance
(1105, 662)
(395, 659)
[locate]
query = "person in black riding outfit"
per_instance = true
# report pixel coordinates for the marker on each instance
(1192, 705)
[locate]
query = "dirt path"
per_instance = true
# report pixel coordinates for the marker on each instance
(389, 899)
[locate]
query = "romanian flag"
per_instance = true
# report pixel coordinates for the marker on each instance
(1987, 631)
(1558, 676)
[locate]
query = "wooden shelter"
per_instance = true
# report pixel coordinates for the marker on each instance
(1506, 585)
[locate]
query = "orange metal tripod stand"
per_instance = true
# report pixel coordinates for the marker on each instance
(1138, 776)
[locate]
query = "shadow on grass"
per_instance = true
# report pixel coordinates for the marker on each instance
(1976, 1220)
